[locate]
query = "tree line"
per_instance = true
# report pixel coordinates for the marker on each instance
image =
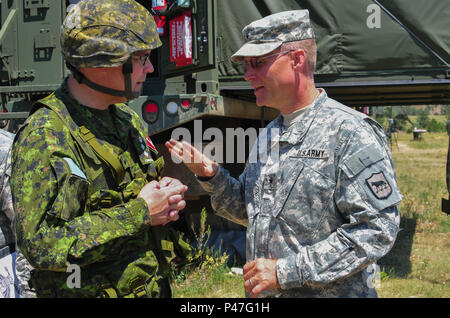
(406, 118)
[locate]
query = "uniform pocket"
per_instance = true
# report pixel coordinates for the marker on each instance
(309, 200)
(137, 279)
(172, 249)
(288, 178)
(72, 190)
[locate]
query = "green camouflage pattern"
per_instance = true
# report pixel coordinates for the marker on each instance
(104, 33)
(71, 210)
(267, 34)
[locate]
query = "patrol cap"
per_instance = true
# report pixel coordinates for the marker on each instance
(104, 33)
(267, 34)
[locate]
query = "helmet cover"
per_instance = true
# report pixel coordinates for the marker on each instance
(105, 33)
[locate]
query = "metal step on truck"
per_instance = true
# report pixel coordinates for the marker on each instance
(370, 53)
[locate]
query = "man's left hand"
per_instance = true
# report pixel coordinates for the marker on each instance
(260, 275)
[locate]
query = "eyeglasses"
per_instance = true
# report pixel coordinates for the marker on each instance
(255, 62)
(143, 58)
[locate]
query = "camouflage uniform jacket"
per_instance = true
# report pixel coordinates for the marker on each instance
(7, 236)
(327, 211)
(72, 210)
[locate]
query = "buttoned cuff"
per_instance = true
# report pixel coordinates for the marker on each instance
(288, 272)
(211, 183)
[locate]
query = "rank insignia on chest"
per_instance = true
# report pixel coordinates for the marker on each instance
(313, 153)
(379, 185)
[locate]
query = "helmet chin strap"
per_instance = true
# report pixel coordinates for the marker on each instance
(127, 70)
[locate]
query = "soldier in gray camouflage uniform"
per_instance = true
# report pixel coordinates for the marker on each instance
(8, 248)
(319, 194)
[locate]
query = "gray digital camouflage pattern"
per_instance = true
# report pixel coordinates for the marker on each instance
(265, 35)
(23, 274)
(104, 33)
(8, 219)
(326, 210)
(7, 236)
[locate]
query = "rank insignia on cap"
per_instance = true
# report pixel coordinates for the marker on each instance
(379, 185)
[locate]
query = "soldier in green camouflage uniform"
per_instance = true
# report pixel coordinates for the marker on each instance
(319, 194)
(87, 188)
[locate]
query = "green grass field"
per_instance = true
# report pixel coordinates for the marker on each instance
(419, 263)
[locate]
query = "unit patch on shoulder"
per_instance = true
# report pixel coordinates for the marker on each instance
(379, 185)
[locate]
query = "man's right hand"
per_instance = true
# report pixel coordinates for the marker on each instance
(163, 201)
(194, 160)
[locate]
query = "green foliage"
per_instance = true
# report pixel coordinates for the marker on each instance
(207, 272)
(381, 119)
(423, 119)
(435, 126)
(432, 117)
(418, 264)
(200, 249)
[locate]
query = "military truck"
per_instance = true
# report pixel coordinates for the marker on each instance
(370, 53)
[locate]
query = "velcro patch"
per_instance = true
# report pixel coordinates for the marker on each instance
(313, 153)
(379, 186)
(74, 169)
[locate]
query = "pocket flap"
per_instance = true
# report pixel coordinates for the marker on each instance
(360, 160)
(290, 176)
(72, 189)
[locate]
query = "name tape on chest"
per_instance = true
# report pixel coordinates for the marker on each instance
(313, 153)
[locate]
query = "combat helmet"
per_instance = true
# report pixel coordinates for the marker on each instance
(105, 33)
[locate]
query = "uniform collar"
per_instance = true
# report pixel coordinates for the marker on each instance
(115, 130)
(296, 132)
(89, 116)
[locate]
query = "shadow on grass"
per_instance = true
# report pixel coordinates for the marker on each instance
(397, 263)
